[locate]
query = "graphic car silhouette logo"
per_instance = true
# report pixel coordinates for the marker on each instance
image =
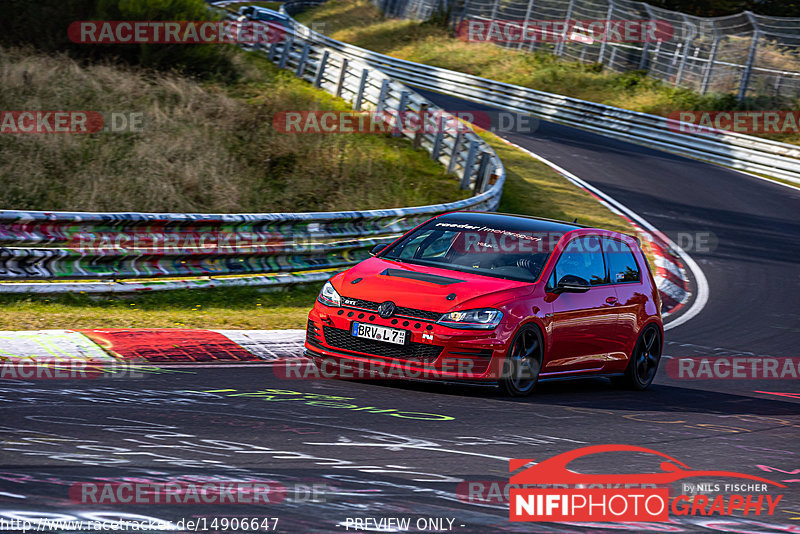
(554, 470)
(610, 497)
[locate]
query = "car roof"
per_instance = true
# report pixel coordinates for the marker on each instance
(515, 222)
(268, 11)
(525, 222)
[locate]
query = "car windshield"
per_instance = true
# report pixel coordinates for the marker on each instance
(501, 252)
(263, 15)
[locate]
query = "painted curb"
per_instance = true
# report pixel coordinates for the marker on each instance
(184, 346)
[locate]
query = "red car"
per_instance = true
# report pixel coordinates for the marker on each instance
(493, 297)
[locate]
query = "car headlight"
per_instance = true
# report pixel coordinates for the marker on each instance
(482, 319)
(329, 296)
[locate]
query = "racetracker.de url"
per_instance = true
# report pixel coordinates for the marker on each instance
(60, 523)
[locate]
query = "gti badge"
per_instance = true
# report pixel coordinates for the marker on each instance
(386, 309)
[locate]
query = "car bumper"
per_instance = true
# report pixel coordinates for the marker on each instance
(432, 351)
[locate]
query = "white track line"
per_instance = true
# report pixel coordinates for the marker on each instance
(700, 278)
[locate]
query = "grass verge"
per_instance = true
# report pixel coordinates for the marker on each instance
(230, 308)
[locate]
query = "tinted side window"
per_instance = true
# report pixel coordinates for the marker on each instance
(622, 266)
(583, 257)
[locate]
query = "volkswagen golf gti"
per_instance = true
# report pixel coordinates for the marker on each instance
(492, 297)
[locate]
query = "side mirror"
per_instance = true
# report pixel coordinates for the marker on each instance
(570, 283)
(377, 248)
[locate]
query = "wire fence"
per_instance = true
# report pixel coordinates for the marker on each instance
(745, 54)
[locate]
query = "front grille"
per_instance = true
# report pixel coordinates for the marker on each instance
(342, 339)
(399, 311)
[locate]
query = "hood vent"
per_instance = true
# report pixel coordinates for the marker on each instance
(422, 277)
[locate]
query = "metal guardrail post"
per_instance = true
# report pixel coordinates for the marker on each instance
(439, 139)
(361, 86)
(686, 46)
(483, 173)
(421, 125)
(710, 66)
(454, 154)
(748, 68)
(321, 69)
(656, 54)
(525, 22)
(559, 48)
(287, 47)
(401, 111)
(470, 161)
(603, 44)
(613, 56)
(382, 96)
(495, 6)
(273, 47)
(342, 74)
(301, 65)
(643, 60)
(463, 12)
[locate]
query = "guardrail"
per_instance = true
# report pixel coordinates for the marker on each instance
(41, 250)
(743, 152)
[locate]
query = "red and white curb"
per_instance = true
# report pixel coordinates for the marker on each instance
(150, 346)
(51, 345)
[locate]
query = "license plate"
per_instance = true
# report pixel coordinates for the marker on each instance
(379, 333)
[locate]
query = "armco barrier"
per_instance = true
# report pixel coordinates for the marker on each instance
(42, 250)
(744, 152)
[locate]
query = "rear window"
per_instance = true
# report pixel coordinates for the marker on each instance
(622, 266)
(583, 258)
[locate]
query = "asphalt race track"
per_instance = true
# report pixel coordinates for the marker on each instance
(355, 449)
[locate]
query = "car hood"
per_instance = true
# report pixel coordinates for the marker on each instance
(422, 287)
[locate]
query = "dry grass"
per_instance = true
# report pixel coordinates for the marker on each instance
(204, 148)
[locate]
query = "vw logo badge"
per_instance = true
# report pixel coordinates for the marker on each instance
(386, 309)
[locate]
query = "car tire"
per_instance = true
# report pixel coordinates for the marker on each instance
(644, 360)
(522, 363)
